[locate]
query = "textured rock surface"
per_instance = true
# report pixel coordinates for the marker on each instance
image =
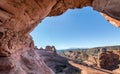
(23, 62)
(99, 59)
(112, 20)
(109, 7)
(91, 61)
(51, 49)
(108, 60)
(90, 70)
(19, 17)
(57, 63)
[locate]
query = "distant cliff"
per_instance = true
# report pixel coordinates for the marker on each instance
(102, 57)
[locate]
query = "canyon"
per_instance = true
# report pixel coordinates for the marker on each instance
(19, 17)
(99, 60)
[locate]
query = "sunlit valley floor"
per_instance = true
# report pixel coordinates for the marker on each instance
(99, 60)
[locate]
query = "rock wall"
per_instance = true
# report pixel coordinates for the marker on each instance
(51, 49)
(108, 60)
(110, 8)
(19, 17)
(57, 63)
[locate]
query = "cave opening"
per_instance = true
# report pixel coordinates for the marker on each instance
(81, 28)
(76, 28)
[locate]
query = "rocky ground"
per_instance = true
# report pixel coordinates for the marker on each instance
(102, 59)
(57, 63)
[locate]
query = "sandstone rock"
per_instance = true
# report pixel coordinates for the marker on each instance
(110, 8)
(111, 20)
(19, 17)
(50, 48)
(77, 56)
(24, 62)
(29, 13)
(91, 61)
(57, 63)
(108, 60)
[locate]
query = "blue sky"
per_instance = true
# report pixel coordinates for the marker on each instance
(76, 28)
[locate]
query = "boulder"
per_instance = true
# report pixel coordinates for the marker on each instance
(108, 60)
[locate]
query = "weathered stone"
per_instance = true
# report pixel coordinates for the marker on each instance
(108, 60)
(110, 8)
(19, 17)
(50, 48)
(57, 63)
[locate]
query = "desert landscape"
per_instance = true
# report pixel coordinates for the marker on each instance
(99, 60)
(18, 54)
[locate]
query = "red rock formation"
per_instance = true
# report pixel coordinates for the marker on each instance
(108, 60)
(19, 17)
(50, 48)
(57, 63)
(90, 70)
(23, 62)
(110, 8)
(92, 61)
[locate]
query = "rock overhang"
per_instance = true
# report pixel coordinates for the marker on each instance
(19, 17)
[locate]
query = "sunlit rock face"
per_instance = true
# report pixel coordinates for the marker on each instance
(56, 62)
(110, 8)
(112, 20)
(108, 60)
(19, 17)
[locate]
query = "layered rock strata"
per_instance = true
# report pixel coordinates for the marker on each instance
(108, 60)
(19, 17)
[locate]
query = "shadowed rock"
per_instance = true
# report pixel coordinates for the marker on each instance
(19, 17)
(108, 60)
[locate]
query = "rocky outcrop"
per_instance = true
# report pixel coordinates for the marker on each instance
(24, 62)
(108, 60)
(19, 17)
(111, 20)
(50, 48)
(57, 63)
(110, 10)
(91, 61)
(100, 59)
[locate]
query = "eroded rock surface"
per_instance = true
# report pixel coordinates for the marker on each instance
(51, 49)
(24, 62)
(19, 17)
(57, 63)
(108, 60)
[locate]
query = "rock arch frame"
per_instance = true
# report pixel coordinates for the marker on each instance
(19, 17)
